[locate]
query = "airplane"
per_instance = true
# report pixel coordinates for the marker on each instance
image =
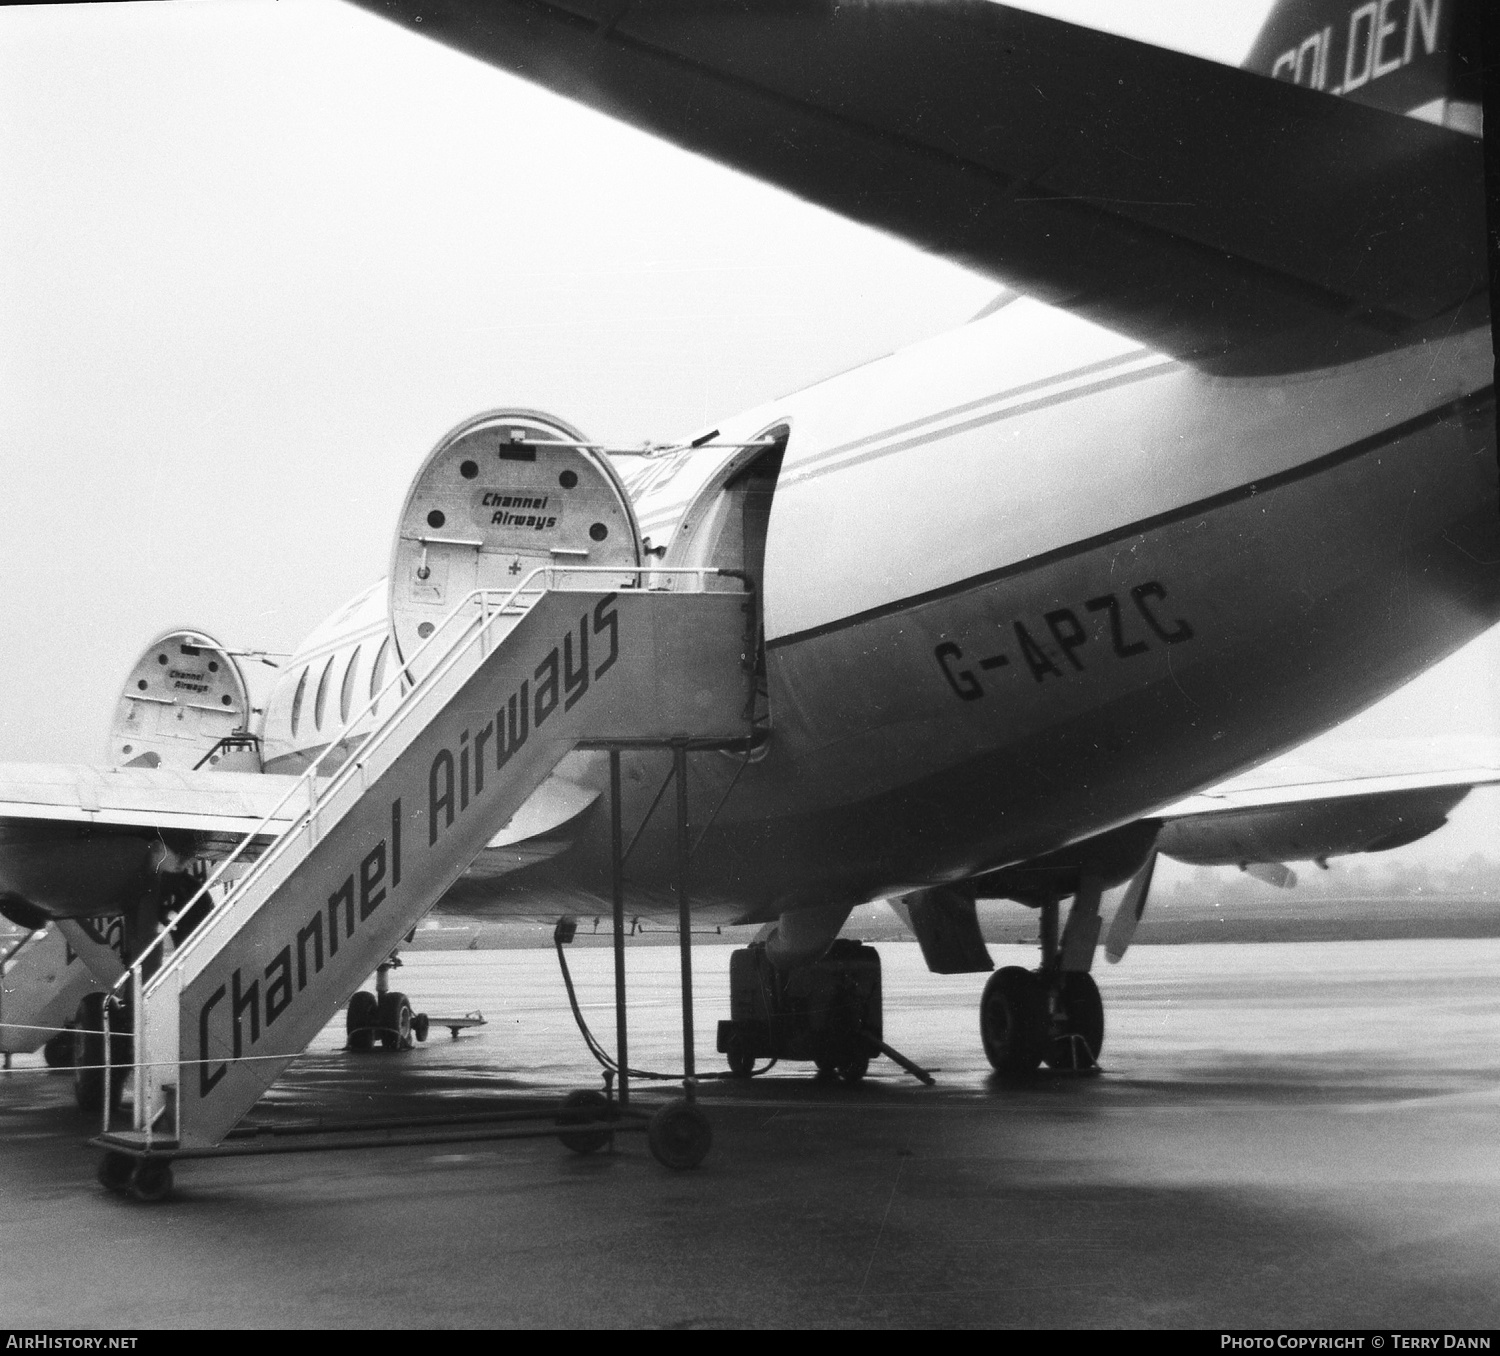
(1012, 612)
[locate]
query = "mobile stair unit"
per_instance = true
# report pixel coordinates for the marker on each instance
(509, 683)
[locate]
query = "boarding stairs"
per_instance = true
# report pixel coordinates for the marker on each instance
(506, 686)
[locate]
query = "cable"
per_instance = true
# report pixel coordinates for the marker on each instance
(603, 1056)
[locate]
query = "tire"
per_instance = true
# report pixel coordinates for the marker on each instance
(852, 1071)
(1013, 1022)
(151, 1181)
(679, 1135)
(420, 1026)
(115, 1171)
(58, 1051)
(741, 1064)
(361, 1019)
(579, 1108)
(88, 1057)
(1080, 1018)
(394, 1022)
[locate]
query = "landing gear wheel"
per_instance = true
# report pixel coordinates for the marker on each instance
(419, 1026)
(151, 1180)
(88, 1057)
(58, 1051)
(394, 1021)
(679, 1135)
(579, 1108)
(1013, 1021)
(1078, 1031)
(361, 1020)
(115, 1171)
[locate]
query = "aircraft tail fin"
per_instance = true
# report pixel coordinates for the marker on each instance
(1417, 57)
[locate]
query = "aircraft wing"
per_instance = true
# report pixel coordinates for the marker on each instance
(1348, 769)
(1243, 224)
(208, 814)
(231, 803)
(1331, 798)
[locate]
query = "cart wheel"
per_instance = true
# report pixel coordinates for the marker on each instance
(419, 1026)
(851, 1071)
(151, 1180)
(578, 1108)
(741, 1062)
(116, 1170)
(359, 1021)
(58, 1051)
(679, 1135)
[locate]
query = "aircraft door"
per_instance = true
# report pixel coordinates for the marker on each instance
(505, 493)
(184, 705)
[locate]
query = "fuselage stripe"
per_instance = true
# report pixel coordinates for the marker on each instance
(806, 472)
(1475, 401)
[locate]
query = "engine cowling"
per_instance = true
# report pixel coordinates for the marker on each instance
(1310, 830)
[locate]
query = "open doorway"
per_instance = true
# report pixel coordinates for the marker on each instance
(727, 528)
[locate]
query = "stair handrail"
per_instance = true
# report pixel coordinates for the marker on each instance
(377, 735)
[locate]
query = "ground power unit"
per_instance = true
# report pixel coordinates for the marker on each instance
(828, 1012)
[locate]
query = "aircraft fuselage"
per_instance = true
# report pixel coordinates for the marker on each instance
(1010, 603)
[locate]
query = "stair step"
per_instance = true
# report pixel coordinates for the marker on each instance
(386, 836)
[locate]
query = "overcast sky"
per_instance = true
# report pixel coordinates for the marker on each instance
(256, 258)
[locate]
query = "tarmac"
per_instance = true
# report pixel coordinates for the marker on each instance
(1283, 1136)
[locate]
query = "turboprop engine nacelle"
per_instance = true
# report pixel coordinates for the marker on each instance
(185, 704)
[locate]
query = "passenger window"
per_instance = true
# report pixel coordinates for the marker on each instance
(321, 701)
(297, 701)
(346, 692)
(377, 674)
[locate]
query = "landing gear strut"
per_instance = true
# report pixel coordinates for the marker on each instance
(1052, 1014)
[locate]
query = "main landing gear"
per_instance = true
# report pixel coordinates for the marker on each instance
(1053, 1014)
(384, 1015)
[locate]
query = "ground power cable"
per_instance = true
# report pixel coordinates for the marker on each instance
(609, 1063)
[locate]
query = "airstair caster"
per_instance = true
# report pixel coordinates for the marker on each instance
(512, 684)
(585, 1122)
